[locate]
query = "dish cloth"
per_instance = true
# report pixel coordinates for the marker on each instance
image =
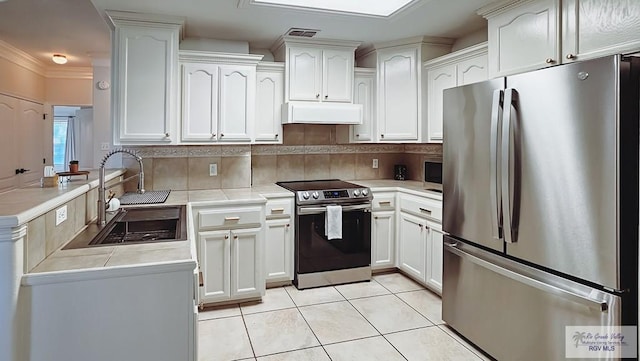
(333, 222)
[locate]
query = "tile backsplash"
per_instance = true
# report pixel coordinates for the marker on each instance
(308, 152)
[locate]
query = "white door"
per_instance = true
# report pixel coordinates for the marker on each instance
(8, 142)
(363, 93)
(31, 151)
(398, 96)
(593, 28)
(247, 255)
(412, 237)
(524, 38)
(337, 75)
(269, 99)
(383, 235)
(438, 79)
(279, 250)
(199, 102)
(472, 70)
(305, 73)
(434, 256)
(144, 89)
(215, 264)
(236, 102)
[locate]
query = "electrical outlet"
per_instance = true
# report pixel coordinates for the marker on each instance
(213, 169)
(61, 214)
(375, 164)
(104, 146)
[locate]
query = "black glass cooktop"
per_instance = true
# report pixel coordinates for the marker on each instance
(316, 185)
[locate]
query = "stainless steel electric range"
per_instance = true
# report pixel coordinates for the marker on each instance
(320, 261)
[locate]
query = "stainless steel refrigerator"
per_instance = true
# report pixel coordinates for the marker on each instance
(540, 190)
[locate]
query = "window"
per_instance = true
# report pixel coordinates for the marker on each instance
(59, 142)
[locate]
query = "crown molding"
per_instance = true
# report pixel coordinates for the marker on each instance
(462, 54)
(20, 58)
(69, 73)
(208, 57)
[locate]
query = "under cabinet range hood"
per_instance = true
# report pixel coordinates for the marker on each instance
(321, 113)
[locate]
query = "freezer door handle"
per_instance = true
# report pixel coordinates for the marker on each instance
(496, 211)
(567, 294)
(510, 97)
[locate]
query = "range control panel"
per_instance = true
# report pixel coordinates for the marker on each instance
(318, 196)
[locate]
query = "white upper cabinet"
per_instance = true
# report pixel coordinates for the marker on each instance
(593, 28)
(364, 93)
(462, 67)
(532, 34)
(399, 89)
(317, 70)
(144, 91)
(218, 97)
(269, 99)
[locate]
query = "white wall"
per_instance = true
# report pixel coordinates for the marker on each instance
(101, 110)
(470, 39)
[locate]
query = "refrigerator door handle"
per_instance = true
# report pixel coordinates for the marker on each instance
(505, 174)
(545, 287)
(496, 210)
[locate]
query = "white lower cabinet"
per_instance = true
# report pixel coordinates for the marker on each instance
(434, 256)
(230, 252)
(412, 242)
(279, 234)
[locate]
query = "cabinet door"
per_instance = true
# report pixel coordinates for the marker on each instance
(247, 254)
(383, 234)
(363, 93)
(236, 102)
(279, 250)
(269, 99)
(472, 70)
(337, 75)
(8, 142)
(305, 73)
(31, 137)
(144, 63)
(434, 256)
(215, 264)
(593, 28)
(524, 38)
(199, 102)
(438, 79)
(398, 96)
(412, 238)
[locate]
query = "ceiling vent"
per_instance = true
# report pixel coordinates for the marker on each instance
(303, 33)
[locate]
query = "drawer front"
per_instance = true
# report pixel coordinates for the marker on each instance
(421, 206)
(279, 208)
(228, 218)
(384, 200)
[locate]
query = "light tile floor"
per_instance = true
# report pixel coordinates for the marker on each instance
(390, 318)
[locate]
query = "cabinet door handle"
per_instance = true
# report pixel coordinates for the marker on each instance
(166, 135)
(550, 61)
(200, 279)
(226, 236)
(425, 210)
(231, 218)
(357, 135)
(326, 96)
(277, 210)
(276, 135)
(235, 237)
(386, 203)
(213, 135)
(571, 56)
(222, 134)
(381, 135)
(288, 225)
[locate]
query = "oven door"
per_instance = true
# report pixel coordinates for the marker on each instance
(315, 253)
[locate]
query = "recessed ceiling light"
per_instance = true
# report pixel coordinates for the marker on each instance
(370, 7)
(59, 59)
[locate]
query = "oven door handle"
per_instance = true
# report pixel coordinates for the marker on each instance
(318, 210)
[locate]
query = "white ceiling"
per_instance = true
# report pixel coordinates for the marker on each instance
(77, 27)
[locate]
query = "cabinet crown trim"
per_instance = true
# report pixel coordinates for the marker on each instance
(195, 56)
(293, 40)
(461, 54)
(270, 66)
(416, 40)
(500, 7)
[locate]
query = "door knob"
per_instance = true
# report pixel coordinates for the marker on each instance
(550, 61)
(22, 170)
(571, 56)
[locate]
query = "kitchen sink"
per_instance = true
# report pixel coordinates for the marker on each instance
(135, 225)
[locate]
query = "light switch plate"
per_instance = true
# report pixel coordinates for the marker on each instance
(213, 169)
(375, 164)
(104, 146)
(61, 214)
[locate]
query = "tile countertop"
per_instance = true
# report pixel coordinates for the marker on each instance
(19, 206)
(414, 187)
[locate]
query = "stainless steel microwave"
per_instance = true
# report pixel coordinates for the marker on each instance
(433, 172)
